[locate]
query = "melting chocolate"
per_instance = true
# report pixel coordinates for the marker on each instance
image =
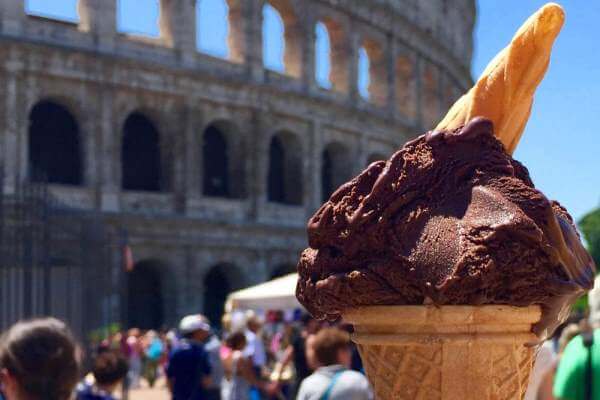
(451, 218)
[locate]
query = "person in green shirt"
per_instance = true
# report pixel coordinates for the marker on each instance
(572, 373)
(580, 362)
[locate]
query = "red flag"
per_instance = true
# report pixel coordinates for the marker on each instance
(128, 258)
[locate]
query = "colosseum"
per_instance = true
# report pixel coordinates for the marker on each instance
(199, 171)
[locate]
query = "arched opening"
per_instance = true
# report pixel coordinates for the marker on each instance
(322, 56)
(145, 22)
(215, 158)
(284, 180)
(212, 27)
(140, 154)
(405, 87)
(282, 42)
(364, 78)
(335, 168)
(218, 283)
(273, 39)
(373, 157)
(282, 270)
(145, 295)
(54, 145)
(431, 97)
(372, 72)
(64, 10)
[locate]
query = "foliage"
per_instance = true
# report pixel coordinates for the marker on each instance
(590, 227)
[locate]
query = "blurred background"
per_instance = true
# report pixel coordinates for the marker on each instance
(158, 156)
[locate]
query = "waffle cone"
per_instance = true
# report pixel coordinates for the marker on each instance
(448, 352)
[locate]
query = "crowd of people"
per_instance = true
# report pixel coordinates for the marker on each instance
(252, 358)
(275, 358)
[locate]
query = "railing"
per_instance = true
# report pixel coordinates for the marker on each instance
(56, 261)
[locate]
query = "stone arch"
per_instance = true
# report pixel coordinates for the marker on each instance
(284, 177)
(338, 55)
(223, 161)
(220, 280)
(377, 81)
(405, 86)
(54, 141)
(431, 97)
(322, 56)
(282, 270)
(335, 168)
(212, 27)
(373, 157)
(147, 291)
(292, 37)
(141, 163)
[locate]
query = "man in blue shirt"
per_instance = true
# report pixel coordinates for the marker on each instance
(189, 368)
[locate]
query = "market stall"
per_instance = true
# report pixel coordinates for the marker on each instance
(279, 293)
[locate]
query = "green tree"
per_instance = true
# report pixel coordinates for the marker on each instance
(590, 227)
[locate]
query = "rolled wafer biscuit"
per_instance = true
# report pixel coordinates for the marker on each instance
(504, 92)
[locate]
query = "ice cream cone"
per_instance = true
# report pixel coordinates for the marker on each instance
(447, 352)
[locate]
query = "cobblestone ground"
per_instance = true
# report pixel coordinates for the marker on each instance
(159, 392)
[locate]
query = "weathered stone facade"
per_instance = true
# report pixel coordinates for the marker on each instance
(419, 51)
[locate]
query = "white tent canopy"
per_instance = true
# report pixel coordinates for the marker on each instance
(277, 294)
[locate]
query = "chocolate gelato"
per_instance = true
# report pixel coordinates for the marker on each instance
(451, 218)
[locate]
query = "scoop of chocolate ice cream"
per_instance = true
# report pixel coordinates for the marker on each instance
(450, 218)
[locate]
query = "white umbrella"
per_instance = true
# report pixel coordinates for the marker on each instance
(277, 294)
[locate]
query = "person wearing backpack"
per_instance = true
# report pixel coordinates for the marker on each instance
(333, 379)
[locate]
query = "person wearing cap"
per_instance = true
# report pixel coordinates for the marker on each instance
(189, 370)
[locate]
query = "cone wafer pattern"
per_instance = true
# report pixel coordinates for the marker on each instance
(448, 352)
(504, 92)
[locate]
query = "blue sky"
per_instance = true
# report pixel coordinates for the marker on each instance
(561, 144)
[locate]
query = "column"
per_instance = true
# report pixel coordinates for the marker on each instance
(99, 18)
(253, 39)
(312, 193)
(178, 132)
(354, 38)
(308, 49)
(10, 136)
(192, 153)
(177, 23)
(390, 56)
(110, 154)
(13, 16)
(419, 93)
(259, 156)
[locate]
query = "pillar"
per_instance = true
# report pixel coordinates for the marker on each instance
(177, 23)
(253, 56)
(354, 40)
(12, 13)
(110, 154)
(308, 50)
(390, 60)
(312, 194)
(99, 18)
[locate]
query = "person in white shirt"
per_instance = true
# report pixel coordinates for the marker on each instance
(255, 348)
(333, 379)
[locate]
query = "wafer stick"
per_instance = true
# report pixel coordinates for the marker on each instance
(504, 92)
